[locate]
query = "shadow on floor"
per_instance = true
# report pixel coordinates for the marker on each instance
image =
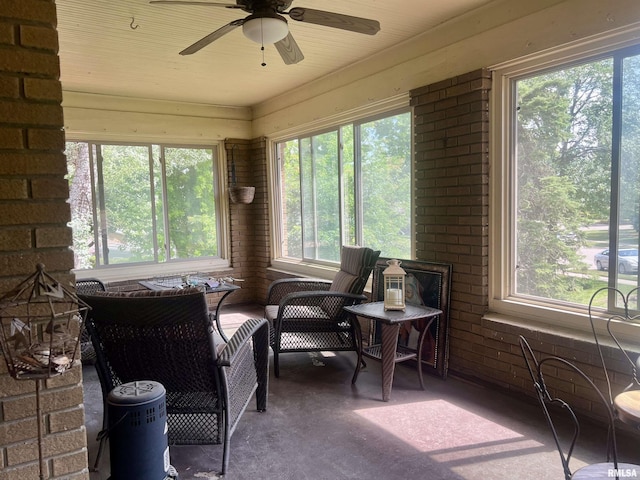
(319, 426)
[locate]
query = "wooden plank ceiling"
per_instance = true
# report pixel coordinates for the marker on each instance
(130, 47)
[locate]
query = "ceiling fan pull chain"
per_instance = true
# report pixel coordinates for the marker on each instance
(262, 44)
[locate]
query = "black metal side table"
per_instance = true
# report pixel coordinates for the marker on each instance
(388, 350)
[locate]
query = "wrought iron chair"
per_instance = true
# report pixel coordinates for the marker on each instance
(549, 402)
(88, 286)
(626, 402)
(306, 315)
(167, 336)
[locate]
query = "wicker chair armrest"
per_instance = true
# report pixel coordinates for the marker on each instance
(320, 297)
(234, 357)
(254, 328)
(300, 304)
(280, 288)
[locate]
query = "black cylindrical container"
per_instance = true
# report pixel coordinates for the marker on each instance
(138, 431)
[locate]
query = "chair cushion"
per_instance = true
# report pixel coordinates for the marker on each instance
(355, 266)
(343, 282)
(293, 312)
(271, 313)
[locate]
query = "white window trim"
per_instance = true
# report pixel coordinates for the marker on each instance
(501, 216)
(299, 267)
(117, 273)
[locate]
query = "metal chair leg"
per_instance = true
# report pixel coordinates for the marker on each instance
(102, 438)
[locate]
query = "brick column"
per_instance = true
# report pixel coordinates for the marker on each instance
(452, 197)
(33, 228)
(249, 222)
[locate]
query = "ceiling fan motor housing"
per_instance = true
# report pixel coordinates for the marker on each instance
(254, 6)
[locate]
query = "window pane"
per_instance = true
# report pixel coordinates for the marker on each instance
(145, 203)
(289, 163)
(349, 215)
(349, 186)
(563, 181)
(126, 227)
(161, 228)
(80, 200)
(321, 197)
(190, 202)
(307, 197)
(385, 147)
(628, 241)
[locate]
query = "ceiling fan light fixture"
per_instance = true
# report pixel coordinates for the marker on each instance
(265, 29)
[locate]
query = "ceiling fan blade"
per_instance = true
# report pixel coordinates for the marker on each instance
(335, 20)
(289, 50)
(206, 4)
(213, 36)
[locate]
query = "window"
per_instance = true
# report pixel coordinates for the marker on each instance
(567, 207)
(349, 185)
(142, 204)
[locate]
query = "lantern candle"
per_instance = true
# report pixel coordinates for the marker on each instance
(394, 286)
(394, 295)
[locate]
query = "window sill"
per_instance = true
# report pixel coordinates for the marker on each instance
(141, 271)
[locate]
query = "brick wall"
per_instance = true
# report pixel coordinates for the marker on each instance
(33, 229)
(452, 197)
(452, 202)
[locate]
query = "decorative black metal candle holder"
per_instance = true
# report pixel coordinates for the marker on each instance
(40, 327)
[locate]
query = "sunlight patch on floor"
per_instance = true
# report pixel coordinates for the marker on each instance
(449, 433)
(454, 436)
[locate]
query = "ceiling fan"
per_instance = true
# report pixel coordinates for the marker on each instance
(266, 24)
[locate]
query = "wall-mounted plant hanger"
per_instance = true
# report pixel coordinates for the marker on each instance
(239, 194)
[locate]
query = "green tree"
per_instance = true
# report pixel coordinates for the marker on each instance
(324, 192)
(563, 172)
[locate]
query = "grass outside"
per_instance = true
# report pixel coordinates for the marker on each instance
(599, 237)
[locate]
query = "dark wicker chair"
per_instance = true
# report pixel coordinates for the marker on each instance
(88, 286)
(167, 336)
(306, 315)
(553, 406)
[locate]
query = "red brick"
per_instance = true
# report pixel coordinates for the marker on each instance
(21, 264)
(43, 89)
(50, 188)
(24, 213)
(7, 34)
(33, 163)
(11, 138)
(15, 239)
(33, 10)
(39, 37)
(53, 237)
(46, 139)
(32, 113)
(13, 189)
(9, 87)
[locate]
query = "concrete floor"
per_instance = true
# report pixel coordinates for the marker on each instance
(319, 426)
